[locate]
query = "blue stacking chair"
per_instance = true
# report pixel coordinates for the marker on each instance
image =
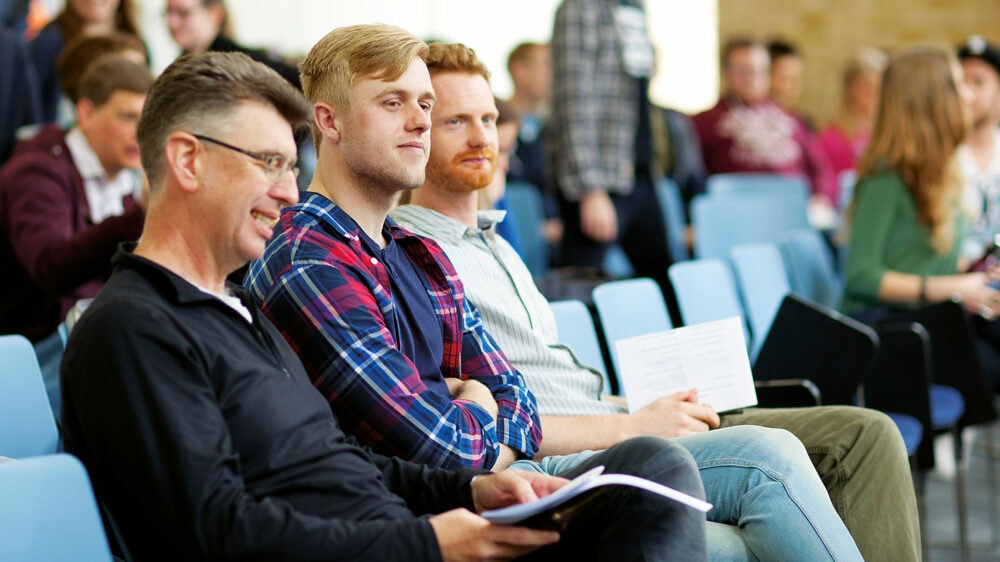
(48, 512)
(762, 289)
(721, 221)
(809, 262)
(629, 308)
(577, 332)
(616, 264)
(758, 183)
(27, 427)
(706, 292)
(672, 204)
(525, 202)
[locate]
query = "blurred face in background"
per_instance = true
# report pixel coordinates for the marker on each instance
(110, 129)
(192, 24)
(747, 74)
(535, 74)
(786, 80)
(983, 83)
(863, 94)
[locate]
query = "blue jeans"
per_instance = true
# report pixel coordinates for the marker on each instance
(766, 494)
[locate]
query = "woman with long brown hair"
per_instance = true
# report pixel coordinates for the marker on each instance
(78, 18)
(906, 222)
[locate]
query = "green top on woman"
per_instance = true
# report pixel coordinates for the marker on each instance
(886, 235)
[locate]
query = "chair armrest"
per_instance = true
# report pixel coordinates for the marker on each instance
(787, 393)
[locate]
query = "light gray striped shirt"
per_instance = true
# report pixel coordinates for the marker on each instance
(514, 312)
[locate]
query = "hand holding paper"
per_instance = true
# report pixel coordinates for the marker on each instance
(555, 510)
(710, 357)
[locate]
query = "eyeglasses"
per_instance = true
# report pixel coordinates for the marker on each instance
(276, 167)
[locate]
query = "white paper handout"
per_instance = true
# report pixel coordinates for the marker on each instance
(590, 480)
(711, 357)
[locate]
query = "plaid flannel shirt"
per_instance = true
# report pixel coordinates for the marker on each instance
(595, 104)
(333, 303)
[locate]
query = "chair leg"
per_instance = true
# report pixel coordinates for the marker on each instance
(960, 493)
(991, 480)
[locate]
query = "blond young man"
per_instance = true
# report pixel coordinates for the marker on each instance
(378, 316)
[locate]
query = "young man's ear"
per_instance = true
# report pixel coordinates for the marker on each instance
(325, 120)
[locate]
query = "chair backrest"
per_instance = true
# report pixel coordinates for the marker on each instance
(673, 215)
(809, 261)
(721, 221)
(577, 332)
(526, 205)
(706, 291)
(48, 512)
(761, 277)
(27, 427)
(758, 183)
(628, 308)
(845, 184)
(616, 263)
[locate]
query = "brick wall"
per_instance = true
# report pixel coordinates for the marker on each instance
(827, 31)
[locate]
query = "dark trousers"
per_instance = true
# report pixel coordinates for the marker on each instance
(642, 234)
(626, 524)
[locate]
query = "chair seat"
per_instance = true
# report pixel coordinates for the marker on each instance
(947, 406)
(910, 429)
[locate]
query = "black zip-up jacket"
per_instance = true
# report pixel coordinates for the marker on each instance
(207, 441)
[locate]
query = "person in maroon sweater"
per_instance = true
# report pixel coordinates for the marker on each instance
(67, 198)
(748, 132)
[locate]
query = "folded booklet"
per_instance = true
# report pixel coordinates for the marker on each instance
(711, 357)
(555, 510)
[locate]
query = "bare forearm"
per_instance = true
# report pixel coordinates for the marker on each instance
(473, 391)
(572, 434)
(506, 457)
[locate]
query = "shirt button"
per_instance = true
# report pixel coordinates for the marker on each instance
(374, 261)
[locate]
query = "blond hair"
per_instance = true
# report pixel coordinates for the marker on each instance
(347, 55)
(920, 123)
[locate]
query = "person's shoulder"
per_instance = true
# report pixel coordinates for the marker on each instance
(47, 44)
(709, 113)
(127, 303)
(46, 150)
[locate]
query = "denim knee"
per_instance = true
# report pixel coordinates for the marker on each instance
(770, 449)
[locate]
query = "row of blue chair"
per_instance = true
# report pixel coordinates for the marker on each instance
(48, 510)
(706, 290)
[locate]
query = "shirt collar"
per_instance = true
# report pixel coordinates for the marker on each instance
(84, 157)
(339, 222)
(169, 283)
(442, 227)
